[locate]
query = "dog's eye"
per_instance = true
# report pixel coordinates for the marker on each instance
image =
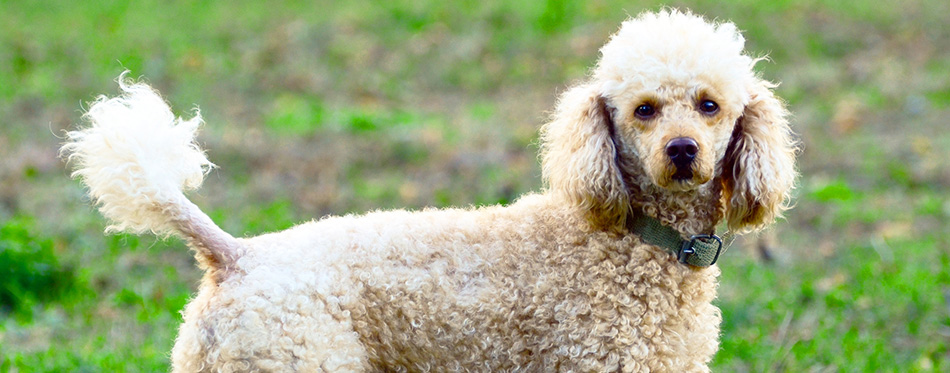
(708, 107)
(645, 111)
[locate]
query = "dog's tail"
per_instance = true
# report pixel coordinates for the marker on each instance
(137, 158)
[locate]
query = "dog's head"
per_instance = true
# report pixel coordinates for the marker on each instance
(675, 104)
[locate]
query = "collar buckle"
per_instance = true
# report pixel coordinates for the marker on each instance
(704, 242)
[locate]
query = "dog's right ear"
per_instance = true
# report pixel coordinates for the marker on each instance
(578, 158)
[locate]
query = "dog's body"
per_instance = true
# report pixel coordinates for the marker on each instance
(495, 289)
(677, 129)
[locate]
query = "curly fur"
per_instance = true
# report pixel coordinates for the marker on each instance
(554, 282)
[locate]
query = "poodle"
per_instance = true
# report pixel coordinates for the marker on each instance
(609, 268)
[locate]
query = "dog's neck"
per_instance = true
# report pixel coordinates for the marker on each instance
(689, 212)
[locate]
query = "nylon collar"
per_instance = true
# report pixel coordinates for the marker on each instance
(701, 250)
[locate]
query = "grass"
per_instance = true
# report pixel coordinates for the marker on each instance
(317, 109)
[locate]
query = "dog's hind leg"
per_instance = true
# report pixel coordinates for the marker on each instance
(239, 329)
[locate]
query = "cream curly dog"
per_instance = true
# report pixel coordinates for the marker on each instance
(610, 268)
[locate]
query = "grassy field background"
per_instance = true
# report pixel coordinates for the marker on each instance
(332, 107)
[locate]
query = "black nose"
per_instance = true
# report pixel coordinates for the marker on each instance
(682, 151)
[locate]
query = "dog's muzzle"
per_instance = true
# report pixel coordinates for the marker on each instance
(682, 152)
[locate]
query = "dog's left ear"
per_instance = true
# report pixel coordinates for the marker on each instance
(758, 171)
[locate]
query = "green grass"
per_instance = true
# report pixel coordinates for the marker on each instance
(316, 109)
(30, 272)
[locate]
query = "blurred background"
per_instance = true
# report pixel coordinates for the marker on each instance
(336, 107)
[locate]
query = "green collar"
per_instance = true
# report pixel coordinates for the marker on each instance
(701, 250)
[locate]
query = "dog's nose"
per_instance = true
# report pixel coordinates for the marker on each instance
(682, 151)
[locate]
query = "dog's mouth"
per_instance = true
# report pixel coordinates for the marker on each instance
(682, 175)
(681, 179)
